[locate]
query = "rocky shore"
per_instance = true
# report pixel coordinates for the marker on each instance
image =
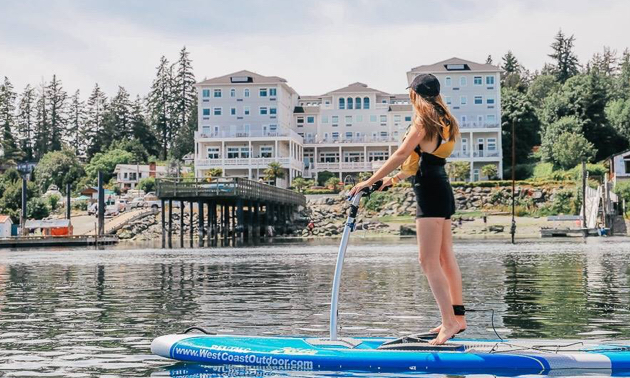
(386, 213)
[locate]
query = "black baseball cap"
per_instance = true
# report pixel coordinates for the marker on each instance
(426, 85)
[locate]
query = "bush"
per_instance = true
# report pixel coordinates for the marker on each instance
(522, 171)
(458, 170)
(323, 176)
(622, 189)
(37, 208)
(333, 183)
(490, 171)
(376, 200)
(80, 205)
(147, 184)
(53, 201)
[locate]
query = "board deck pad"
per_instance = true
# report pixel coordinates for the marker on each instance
(525, 356)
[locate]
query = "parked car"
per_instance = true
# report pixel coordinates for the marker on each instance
(122, 205)
(154, 204)
(92, 209)
(137, 203)
(111, 210)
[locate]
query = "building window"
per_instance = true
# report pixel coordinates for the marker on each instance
(407, 118)
(348, 135)
(342, 103)
(447, 99)
(357, 101)
(262, 92)
(463, 81)
(246, 92)
(447, 81)
(478, 100)
(335, 121)
(232, 111)
(272, 92)
(349, 102)
(329, 157)
(310, 119)
(492, 144)
(266, 151)
(348, 120)
(263, 110)
(383, 134)
(366, 102)
(359, 118)
(490, 100)
(626, 164)
(373, 118)
(383, 120)
(217, 111)
(477, 80)
(335, 136)
(213, 152)
(463, 100)
(464, 120)
(491, 119)
(377, 155)
(300, 121)
(397, 119)
(217, 93)
(273, 128)
(324, 119)
(273, 111)
(206, 93)
(244, 152)
(232, 152)
(489, 80)
(246, 110)
(232, 92)
(206, 112)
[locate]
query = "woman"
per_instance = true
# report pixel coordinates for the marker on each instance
(430, 139)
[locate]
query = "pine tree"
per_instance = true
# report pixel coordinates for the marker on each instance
(510, 64)
(185, 97)
(622, 82)
(140, 129)
(566, 63)
(42, 123)
(76, 124)
(10, 150)
(26, 122)
(489, 59)
(57, 98)
(160, 105)
(117, 123)
(93, 130)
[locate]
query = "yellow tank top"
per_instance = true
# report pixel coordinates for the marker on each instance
(443, 150)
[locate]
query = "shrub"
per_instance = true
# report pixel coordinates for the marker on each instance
(80, 205)
(376, 200)
(53, 201)
(490, 171)
(333, 183)
(147, 184)
(323, 176)
(458, 170)
(37, 208)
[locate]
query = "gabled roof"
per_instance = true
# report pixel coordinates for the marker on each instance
(248, 76)
(469, 66)
(4, 218)
(357, 88)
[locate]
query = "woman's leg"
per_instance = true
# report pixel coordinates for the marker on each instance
(452, 272)
(429, 231)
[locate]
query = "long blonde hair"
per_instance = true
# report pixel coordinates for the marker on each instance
(432, 115)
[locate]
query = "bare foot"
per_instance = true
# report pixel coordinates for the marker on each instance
(460, 319)
(446, 332)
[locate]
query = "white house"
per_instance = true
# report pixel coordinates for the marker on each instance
(129, 175)
(619, 166)
(5, 226)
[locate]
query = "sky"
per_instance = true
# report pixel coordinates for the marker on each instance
(316, 45)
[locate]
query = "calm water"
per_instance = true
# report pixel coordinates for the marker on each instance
(76, 313)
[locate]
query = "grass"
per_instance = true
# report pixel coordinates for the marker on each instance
(398, 219)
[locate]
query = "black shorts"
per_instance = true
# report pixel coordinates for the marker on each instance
(434, 194)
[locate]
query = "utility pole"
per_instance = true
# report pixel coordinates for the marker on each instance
(101, 205)
(584, 225)
(24, 170)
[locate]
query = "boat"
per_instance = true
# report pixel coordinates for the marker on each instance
(411, 354)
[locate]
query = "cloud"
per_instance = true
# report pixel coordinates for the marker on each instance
(317, 46)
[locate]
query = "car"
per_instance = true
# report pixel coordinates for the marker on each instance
(92, 209)
(111, 210)
(137, 203)
(122, 205)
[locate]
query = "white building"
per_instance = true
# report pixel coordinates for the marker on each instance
(5, 226)
(248, 120)
(619, 166)
(129, 175)
(473, 93)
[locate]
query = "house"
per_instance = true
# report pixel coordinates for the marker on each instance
(619, 166)
(189, 158)
(50, 227)
(92, 193)
(129, 175)
(6, 225)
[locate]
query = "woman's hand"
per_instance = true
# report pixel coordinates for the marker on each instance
(387, 181)
(358, 187)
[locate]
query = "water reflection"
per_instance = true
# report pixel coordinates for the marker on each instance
(87, 312)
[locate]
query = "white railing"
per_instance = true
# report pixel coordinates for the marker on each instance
(362, 139)
(478, 125)
(460, 155)
(355, 165)
(248, 162)
(247, 134)
(486, 154)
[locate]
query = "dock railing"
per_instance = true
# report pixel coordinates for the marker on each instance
(236, 187)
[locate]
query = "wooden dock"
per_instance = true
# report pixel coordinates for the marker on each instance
(227, 208)
(56, 241)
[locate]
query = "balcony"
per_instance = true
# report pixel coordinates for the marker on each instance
(225, 134)
(361, 139)
(344, 166)
(479, 125)
(245, 163)
(486, 154)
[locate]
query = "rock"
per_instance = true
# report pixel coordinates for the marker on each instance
(496, 228)
(406, 230)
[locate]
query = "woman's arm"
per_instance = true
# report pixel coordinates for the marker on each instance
(409, 144)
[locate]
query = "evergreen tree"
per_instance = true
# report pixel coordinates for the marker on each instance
(93, 131)
(510, 64)
(118, 121)
(160, 105)
(26, 121)
(140, 129)
(566, 63)
(622, 82)
(517, 108)
(57, 98)
(511, 76)
(185, 141)
(184, 101)
(10, 150)
(489, 59)
(42, 123)
(76, 124)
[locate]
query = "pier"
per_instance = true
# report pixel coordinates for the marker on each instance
(227, 208)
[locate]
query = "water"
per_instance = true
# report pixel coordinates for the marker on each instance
(80, 313)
